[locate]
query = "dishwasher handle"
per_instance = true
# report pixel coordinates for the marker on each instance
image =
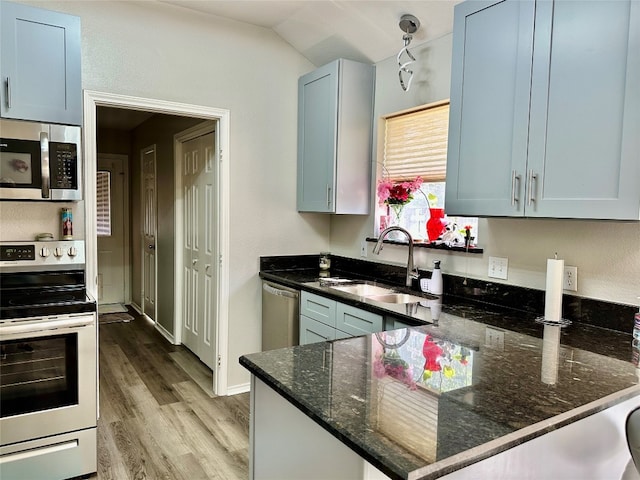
(276, 291)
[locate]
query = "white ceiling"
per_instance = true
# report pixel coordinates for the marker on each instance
(323, 30)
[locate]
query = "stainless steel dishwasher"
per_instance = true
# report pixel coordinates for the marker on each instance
(280, 317)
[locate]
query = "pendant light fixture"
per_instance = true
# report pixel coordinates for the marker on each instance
(409, 24)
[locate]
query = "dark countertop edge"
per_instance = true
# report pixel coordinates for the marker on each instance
(353, 445)
(523, 435)
(462, 459)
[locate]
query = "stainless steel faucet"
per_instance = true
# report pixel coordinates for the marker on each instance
(411, 271)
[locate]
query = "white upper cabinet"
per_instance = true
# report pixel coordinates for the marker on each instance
(40, 65)
(335, 108)
(545, 110)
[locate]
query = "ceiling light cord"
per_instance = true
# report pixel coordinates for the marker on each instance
(409, 25)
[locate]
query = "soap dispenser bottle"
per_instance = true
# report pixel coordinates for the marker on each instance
(435, 284)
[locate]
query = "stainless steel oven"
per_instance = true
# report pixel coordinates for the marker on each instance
(48, 365)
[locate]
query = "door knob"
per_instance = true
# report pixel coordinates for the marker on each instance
(152, 247)
(194, 261)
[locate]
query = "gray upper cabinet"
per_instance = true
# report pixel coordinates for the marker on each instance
(545, 110)
(40, 65)
(335, 108)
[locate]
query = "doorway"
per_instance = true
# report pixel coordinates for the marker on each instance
(221, 117)
(112, 186)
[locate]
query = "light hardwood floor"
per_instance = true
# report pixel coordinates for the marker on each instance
(156, 422)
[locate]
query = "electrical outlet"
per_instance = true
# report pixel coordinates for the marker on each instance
(494, 338)
(363, 249)
(498, 267)
(570, 279)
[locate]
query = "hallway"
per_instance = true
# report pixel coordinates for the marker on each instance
(155, 421)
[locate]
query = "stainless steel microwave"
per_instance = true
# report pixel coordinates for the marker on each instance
(40, 161)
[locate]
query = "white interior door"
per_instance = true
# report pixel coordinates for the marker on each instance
(149, 227)
(200, 236)
(111, 229)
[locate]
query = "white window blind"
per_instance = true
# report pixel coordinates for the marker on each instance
(415, 143)
(103, 203)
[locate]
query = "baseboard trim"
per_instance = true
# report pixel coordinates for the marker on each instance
(237, 389)
(136, 307)
(166, 334)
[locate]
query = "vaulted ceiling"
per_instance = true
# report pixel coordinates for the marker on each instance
(323, 30)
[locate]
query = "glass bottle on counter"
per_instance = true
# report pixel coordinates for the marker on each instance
(325, 262)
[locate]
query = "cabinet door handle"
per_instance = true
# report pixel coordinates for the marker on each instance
(8, 93)
(532, 183)
(515, 190)
(328, 196)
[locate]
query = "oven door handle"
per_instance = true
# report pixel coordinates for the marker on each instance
(18, 328)
(13, 457)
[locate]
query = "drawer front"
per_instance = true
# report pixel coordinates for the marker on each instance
(357, 322)
(319, 308)
(312, 331)
(339, 335)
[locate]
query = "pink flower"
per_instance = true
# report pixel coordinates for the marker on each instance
(384, 188)
(379, 369)
(397, 193)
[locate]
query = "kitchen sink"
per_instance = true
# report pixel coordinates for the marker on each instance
(377, 293)
(363, 289)
(395, 298)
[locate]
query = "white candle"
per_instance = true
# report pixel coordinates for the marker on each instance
(553, 291)
(550, 354)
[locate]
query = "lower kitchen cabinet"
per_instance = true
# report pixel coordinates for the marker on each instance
(313, 331)
(392, 323)
(356, 321)
(323, 319)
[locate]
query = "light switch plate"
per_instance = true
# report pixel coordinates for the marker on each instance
(498, 267)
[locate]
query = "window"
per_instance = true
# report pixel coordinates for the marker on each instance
(103, 203)
(415, 145)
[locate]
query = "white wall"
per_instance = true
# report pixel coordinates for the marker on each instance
(22, 221)
(153, 50)
(607, 254)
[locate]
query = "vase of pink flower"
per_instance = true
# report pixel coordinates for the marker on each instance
(395, 195)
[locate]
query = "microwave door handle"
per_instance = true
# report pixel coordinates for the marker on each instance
(44, 158)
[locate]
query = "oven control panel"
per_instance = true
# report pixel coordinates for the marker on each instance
(51, 255)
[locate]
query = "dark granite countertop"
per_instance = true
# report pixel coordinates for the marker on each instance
(427, 400)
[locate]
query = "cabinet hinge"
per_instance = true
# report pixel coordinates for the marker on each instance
(219, 361)
(220, 259)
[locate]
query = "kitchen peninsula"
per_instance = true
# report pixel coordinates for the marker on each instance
(479, 394)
